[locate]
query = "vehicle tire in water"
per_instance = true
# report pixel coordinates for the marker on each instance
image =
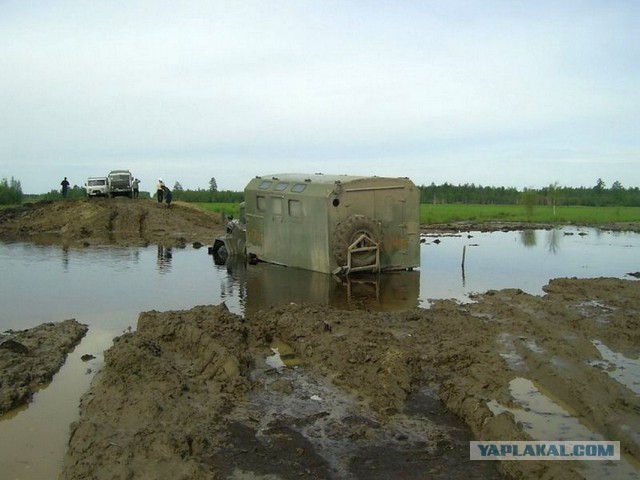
(348, 232)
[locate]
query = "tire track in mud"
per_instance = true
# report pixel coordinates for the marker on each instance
(190, 393)
(142, 228)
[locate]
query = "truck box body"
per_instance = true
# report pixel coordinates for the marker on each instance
(333, 223)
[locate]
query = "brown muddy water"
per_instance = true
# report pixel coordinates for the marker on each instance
(107, 288)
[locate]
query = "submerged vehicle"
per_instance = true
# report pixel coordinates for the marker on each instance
(327, 223)
(97, 187)
(120, 183)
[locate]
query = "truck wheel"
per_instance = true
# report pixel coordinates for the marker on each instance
(348, 232)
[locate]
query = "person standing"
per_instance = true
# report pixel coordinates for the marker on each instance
(136, 187)
(167, 195)
(65, 187)
(160, 190)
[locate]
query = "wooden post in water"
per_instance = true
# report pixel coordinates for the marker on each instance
(464, 254)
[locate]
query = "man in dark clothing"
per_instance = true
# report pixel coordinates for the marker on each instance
(167, 195)
(65, 187)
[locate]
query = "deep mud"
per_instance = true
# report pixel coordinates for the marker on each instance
(201, 394)
(30, 358)
(101, 221)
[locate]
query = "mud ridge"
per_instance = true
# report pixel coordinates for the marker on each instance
(30, 358)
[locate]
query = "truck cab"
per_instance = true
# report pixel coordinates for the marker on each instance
(120, 183)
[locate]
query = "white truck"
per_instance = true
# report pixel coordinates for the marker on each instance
(120, 183)
(97, 187)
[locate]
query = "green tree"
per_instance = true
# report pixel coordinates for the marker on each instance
(529, 200)
(598, 190)
(552, 195)
(10, 192)
(213, 185)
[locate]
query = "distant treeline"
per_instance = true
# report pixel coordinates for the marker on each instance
(208, 196)
(600, 195)
(597, 196)
(200, 196)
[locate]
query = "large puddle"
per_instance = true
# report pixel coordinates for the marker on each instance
(107, 288)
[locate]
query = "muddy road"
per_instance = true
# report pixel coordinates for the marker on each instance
(309, 391)
(201, 393)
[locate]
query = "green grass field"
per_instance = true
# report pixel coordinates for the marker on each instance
(226, 208)
(518, 213)
(486, 213)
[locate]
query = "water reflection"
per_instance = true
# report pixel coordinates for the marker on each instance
(263, 285)
(165, 255)
(65, 258)
(528, 238)
(553, 240)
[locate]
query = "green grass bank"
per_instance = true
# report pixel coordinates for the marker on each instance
(435, 214)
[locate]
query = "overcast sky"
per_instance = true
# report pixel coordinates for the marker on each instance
(503, 93)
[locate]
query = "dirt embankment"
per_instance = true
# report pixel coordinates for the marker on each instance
(196, 394)
(119, 221)
(30, 358)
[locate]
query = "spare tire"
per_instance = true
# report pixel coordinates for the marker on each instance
(348, 232)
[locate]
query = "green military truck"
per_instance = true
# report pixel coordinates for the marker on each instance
(120, 183)
(327, 223)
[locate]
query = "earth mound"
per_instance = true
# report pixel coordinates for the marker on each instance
(118, 221)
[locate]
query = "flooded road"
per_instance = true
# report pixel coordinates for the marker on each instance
(107, 288)
(110, 286)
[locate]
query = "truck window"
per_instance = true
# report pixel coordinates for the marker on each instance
(298, 187)
(265, 184)
(261, 203)
(295, 208)
(281, 186)
(276, 204)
